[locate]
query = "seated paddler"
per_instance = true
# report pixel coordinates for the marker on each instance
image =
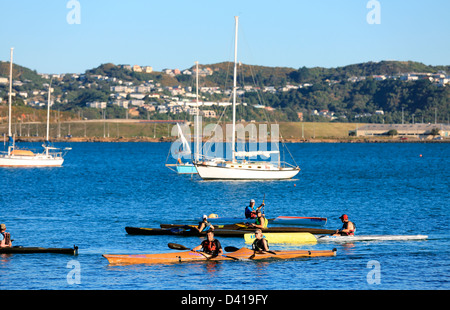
(204, 225)
(348, 228)
(5, 237)
(261, 222)
(210, 245)
(260, 244)
(250, 211)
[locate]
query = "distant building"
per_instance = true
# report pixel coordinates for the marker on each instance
(137, 68)
(97, 104)
(209, 113)
(127, 67)
(147, 69)
(423, 130)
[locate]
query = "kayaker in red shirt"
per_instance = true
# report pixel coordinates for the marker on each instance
(348, 228)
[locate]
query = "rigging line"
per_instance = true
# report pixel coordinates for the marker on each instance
(283, 144)
(217, 124)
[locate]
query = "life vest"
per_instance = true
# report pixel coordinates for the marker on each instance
(266, 222)
(7, 237)
(207, 226)
(249, 213)
(258, 244)
(351, 232)
(211, 247)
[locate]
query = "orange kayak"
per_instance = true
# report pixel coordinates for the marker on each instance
(190, 256)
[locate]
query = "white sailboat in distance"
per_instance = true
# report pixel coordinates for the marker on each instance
(16, 157)
(221, 169)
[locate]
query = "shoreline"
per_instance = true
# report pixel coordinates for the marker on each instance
(290, 140)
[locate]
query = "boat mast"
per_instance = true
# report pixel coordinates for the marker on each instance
(48, 117)
(10, 95)
(197, 120)
(233, 147)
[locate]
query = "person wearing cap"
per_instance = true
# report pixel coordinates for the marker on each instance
(210, 245)
(348, 228)
(260, 244)
(5, 237)
(250, 212)
(261, 221)
(204, 225)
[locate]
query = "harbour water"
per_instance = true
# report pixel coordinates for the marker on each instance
(385, 188)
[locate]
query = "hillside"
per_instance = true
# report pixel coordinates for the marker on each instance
(402, 90)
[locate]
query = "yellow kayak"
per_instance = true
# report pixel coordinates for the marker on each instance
(190, 256)
(283, 238)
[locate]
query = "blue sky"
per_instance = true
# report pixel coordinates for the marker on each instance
(176, 33)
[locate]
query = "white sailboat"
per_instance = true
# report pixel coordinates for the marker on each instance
(220, 168)
(15, 157)
(185, 149)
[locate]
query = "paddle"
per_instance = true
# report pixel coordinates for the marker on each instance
(231, 249)
(264, 204)
(176, 246)
(234, 249)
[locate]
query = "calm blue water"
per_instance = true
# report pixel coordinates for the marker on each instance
(103, 187)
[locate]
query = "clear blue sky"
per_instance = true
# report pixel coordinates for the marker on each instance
(176, 33)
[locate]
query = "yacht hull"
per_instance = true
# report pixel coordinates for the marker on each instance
(207, 172)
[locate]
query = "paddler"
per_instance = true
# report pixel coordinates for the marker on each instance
(204, 225)
(5, 237)
(260, 244)
(261, 221)
(250, 212)
(348, 228)
(210, 245)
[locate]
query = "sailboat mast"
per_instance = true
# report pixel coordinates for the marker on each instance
(10, 94)
(48, 111)
(197, 149)
(233, 142)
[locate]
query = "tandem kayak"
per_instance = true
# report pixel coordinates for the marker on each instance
(234, 230)
(33, 250)
(279, 220)
(190, 256)
(344, 239)
(294, 237)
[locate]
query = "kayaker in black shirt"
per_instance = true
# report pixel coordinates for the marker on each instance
(210, 245)
(260, 244)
